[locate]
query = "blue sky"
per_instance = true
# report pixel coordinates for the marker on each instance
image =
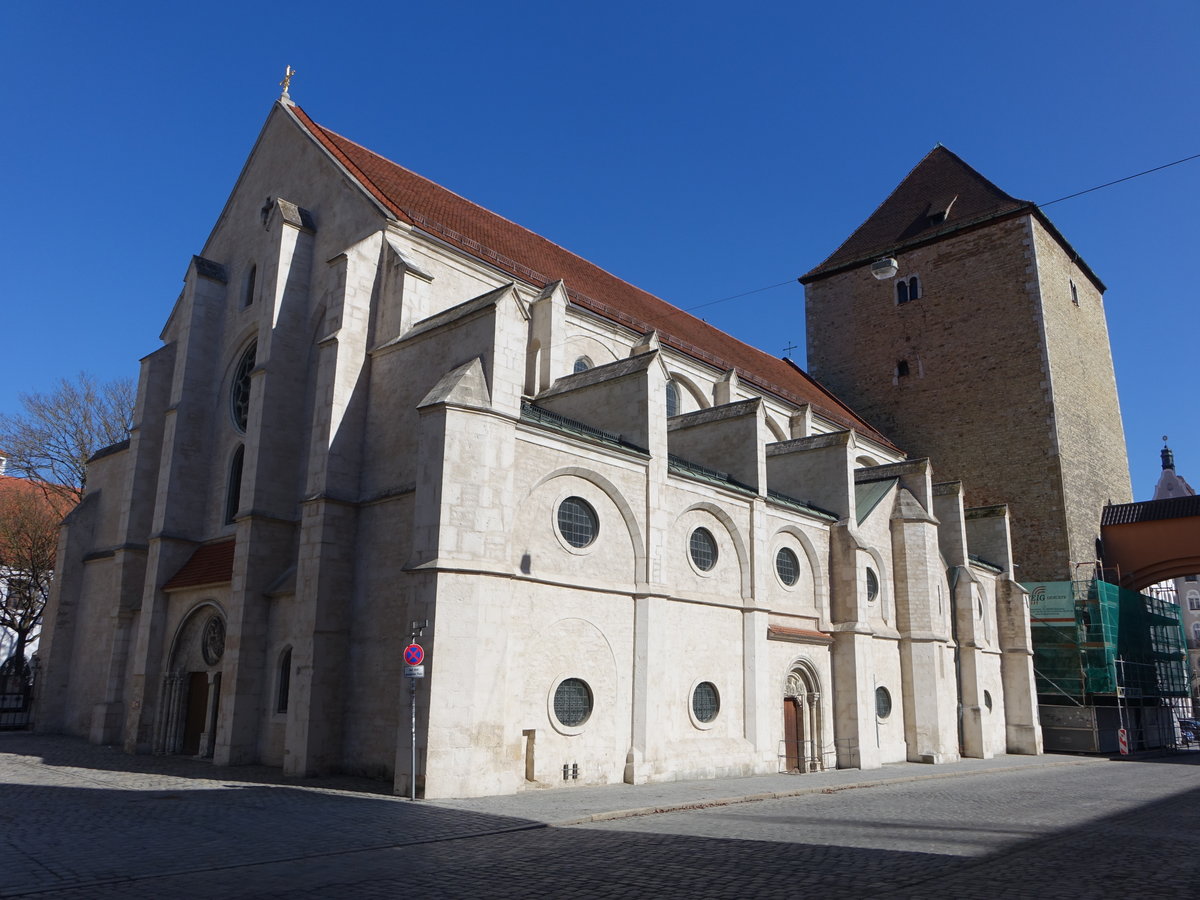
(697, 150)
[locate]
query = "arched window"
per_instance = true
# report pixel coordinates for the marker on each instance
(1193, 599)
(239, 392)
(1196, 632)
(914, 288)
(582, 364)
(872, 585)
(901, 291)
(672, 399)
(233, 490)
(902, 368)
(285, 681)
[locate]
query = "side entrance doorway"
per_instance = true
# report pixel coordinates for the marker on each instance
(802, 723)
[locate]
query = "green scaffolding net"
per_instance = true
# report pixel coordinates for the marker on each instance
(1093, 639)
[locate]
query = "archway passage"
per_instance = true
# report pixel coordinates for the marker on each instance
(1151, 541)
(802, 723)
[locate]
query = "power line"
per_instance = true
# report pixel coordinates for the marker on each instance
(1119, 180)
(736, 296)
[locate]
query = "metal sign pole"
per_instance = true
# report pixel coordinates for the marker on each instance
(412, 702)
(414, 655)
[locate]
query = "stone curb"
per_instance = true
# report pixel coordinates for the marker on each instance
(800, 792)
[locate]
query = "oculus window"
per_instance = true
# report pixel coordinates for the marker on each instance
(706, 702)
(572, 702)
(872, 585)
(787, 566)
(703, 549)
(883, 702)
(577, 522)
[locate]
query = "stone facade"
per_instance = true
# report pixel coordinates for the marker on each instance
(997, 366)
(364, 418)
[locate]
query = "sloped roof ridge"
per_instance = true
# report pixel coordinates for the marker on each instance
(658, 311)
(418, 218)
(844, 256)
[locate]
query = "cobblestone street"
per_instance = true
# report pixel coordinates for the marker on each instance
(90, 822)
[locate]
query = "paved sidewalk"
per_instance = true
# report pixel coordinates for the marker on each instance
(554, 805)
(574, 805)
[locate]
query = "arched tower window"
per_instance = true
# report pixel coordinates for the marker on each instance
(901, 291)
(233, 491)
(914, 288)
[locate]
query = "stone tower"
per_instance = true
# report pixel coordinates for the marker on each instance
(987, 351)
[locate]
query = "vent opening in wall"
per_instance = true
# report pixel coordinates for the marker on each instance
(248, 288)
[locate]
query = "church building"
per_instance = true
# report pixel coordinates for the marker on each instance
(633, 548)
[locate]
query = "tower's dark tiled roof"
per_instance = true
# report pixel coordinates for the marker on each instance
(941, 194)
(518, 251)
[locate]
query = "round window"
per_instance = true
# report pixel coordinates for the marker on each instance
(872, 585)
(239, 398)
(706, 703)
(703, 548)
(883, 702)
(572, 702)
(577, 521)
(787, 566)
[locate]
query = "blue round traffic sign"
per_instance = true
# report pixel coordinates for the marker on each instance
(414, 655)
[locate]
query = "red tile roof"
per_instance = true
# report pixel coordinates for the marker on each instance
(519, 252)
(208, 564)
(802, 634)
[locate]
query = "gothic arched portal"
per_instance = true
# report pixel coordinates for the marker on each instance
(802, 720)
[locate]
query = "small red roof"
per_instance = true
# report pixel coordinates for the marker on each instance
(208, 564)
(801, 634)
(519, 252)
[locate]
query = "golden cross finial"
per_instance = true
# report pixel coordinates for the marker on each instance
(287, 78)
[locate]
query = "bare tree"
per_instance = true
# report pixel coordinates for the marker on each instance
(29, 521)
(48, 445)
(50, 441)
